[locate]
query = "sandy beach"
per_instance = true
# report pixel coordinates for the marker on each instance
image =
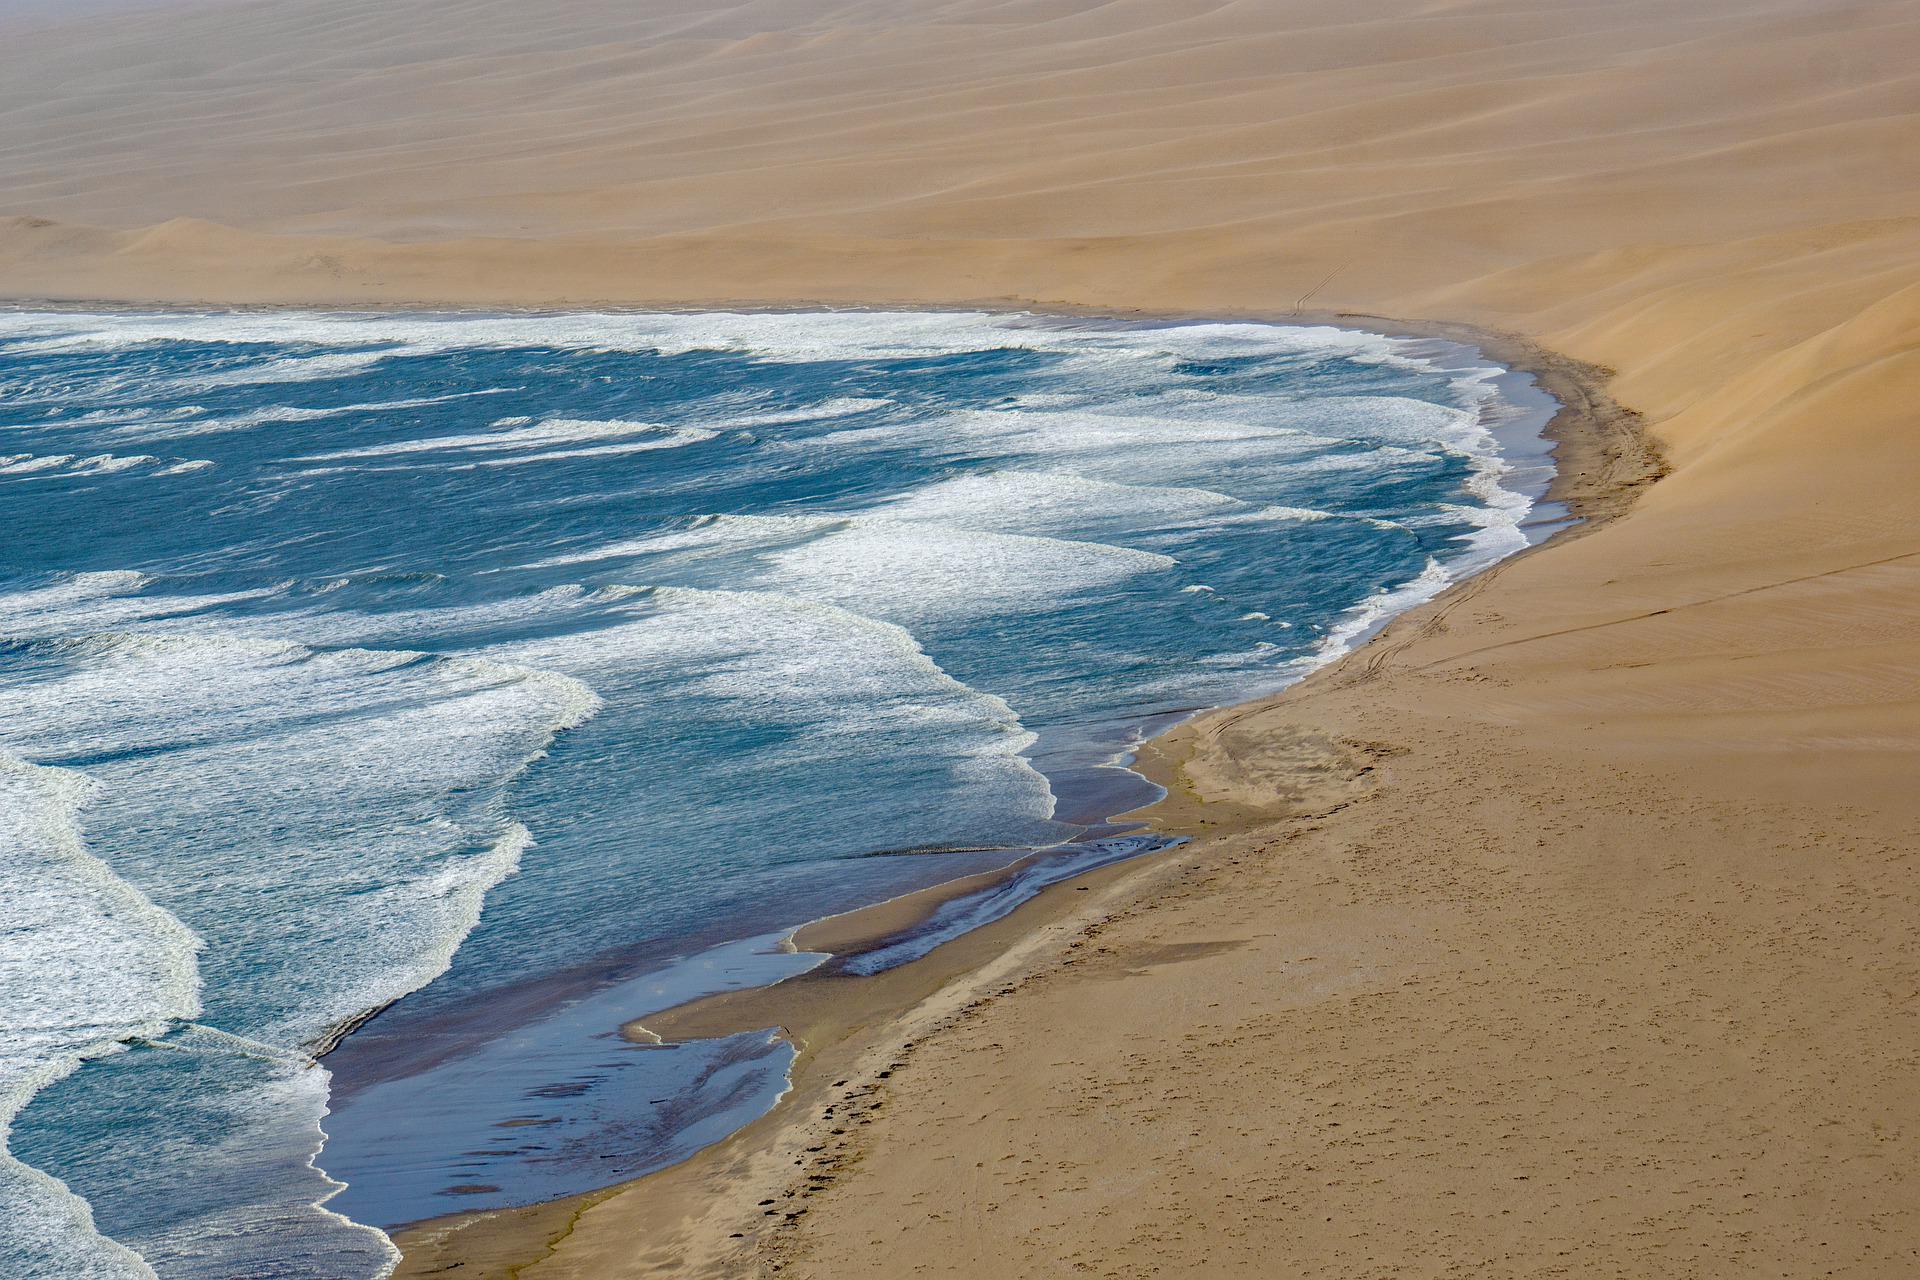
(1565, 929)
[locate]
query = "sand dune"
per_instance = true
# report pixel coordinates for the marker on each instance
(1609, 969)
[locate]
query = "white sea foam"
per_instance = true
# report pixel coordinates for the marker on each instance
(1225, 428)
(1145, 450)
(521, 440)
(897, 570)
(1272, 513)
(766, 336)
(279, 736)
(1069, 432)
(314, 367)
(184, 426)
(707, 534)
(369, 770)
(1054, 502)
(103, 601)
(840, 680)
(847, 680)
(832, 407)
(98, 464)
(343, 809)
(1379, 419)
(1506, 488)
(89, 962)
(779, 659)
(541, 436)
(1367, 617)
(1059, 503)
(251, 1139)
(1406, 427)
(844, 680)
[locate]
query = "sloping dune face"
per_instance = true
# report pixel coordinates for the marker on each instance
(1179, 152)
(1618, 974)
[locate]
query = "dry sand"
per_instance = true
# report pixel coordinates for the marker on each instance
(1569, 929)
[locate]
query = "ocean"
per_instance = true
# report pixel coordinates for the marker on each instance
(392, 705)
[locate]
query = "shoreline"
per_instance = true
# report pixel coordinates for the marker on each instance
(855, 931)
(1602, 460)
(1548, 375)
(1547, 370)
(1594, 954)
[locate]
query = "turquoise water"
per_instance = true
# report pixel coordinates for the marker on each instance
(499, 678)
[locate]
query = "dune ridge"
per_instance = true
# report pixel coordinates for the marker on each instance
(1595, 955)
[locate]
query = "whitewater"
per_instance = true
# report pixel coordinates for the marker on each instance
(392, 705)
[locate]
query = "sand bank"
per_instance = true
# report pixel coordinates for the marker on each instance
(741, 1199)
(1601, 960)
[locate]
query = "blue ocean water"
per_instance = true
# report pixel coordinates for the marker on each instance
(498, 678)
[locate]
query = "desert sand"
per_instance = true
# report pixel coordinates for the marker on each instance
(1567, 929)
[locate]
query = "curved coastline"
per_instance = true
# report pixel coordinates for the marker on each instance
(1594, 954)
(844, 1024)
(1363, 615)
(1532, 425)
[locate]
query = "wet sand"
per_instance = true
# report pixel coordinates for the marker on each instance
(1596, 957)
(737, 1205)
